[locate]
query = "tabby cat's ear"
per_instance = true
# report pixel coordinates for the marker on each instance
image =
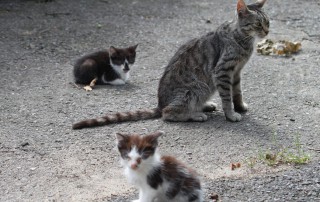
(242, 9)
(260, 3)
(112, 50)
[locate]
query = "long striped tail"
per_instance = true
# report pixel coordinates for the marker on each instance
(119, 117)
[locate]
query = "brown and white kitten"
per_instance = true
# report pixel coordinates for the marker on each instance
(201, 67)
(159, 178)
(105, 67)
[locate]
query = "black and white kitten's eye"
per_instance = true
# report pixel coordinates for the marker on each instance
(131, 59)
(117, 60)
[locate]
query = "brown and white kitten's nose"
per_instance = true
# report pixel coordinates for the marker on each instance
(134, 165)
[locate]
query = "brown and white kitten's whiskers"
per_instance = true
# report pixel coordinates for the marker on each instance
(161, 178)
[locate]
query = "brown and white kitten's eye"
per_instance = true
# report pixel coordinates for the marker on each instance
(146, 155)
(125, 155)
(147, 152)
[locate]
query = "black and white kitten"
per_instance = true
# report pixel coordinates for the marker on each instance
(105, 67)
(159, 178)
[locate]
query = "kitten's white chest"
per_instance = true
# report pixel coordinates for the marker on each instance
(136, 178)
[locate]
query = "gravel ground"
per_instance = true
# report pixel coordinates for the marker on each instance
(43, 159)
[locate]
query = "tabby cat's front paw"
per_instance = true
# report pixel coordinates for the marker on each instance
(243, 107)
(136, 200)
(200, 117)
(233, 117)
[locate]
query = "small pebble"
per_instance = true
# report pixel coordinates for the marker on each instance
(25, 144)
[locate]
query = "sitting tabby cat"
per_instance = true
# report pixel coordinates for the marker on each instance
(159, 178)
(105, 67)
(199, 68)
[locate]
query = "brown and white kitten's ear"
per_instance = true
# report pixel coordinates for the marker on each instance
(153, 137)
(242, 9)
(112, 50)
(260, 3)
(121, 137)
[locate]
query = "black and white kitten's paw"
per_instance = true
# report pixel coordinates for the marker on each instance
(209, 107)
(233, 116)
(243, 107)
(87, 88)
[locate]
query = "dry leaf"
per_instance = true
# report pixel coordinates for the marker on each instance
(281, 47)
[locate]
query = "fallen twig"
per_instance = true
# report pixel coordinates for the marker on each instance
(75, 85)
(310, 148)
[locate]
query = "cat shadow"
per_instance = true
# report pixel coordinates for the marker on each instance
(248, 126)
(127, 87)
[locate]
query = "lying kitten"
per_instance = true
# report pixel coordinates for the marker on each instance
(159, 178)
(105, 67)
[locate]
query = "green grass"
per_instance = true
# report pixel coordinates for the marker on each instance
(293, 155)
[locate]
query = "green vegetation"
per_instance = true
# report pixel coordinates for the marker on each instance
(281, 155)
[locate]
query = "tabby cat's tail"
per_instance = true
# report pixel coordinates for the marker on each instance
(119, 117)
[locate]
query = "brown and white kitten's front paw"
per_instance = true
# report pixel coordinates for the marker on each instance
(233, 116)
(243, 107)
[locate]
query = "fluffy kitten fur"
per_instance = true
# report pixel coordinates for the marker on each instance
(159, 178)
(105, 67)
(201, 67)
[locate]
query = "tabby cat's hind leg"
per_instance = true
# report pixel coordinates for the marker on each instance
(209, 107)
(175, 113)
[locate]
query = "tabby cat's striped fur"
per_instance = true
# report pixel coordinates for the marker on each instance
(199, 68)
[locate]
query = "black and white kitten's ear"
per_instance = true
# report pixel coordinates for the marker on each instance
(112, 50)
(133, 48)
(153, 137)
(242, 9)
(260, 3)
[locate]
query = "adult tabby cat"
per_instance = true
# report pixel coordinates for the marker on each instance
(105, 67)
(199, 68)
(159, 178)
